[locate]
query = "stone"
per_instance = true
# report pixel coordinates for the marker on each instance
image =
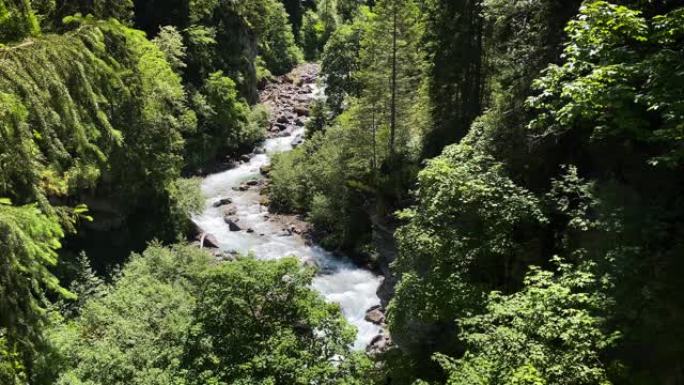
(285, 233)
(250, 231)
(229, 211)
(375, 315)
(245, 158)
(297, 140)
(232, 226)
(303, 98)
(265, 169)
(379, 344)
(252, 182)
(299, 122)
(282, 119)
(280, 126)
(301, 110)
(222, 202)
(208, 240)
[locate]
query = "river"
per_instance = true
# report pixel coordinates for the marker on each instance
(338, 280)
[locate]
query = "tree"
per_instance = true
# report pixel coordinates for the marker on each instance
(170, 41)
(460, 241)
(269, 22)
(176, 316)
(340, 63)
(311, 35)
(121, 10)
(224, 122)
(317, 28)
(550, 332)
(391, 66)
(28, 243)
(17, 21)
(96, 111)
(454, 45)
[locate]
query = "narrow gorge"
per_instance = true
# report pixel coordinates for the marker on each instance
(237, 221)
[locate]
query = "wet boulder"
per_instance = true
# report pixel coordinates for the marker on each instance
(301, 110)
(242, 187)
(208, 240)
(298, 140)
(375, 315)
(232, 226)
(222, 202)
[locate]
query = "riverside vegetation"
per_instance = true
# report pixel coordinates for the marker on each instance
(512, 167)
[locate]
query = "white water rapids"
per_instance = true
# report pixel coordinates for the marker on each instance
(338, 280)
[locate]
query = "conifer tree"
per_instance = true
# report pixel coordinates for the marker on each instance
(392, 64)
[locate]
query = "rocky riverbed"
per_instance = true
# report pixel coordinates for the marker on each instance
(236, 219)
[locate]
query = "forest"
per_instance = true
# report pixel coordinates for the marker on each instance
(496, 185)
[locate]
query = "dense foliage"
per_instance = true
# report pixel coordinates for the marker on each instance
(565, 118)
(461, 148)
(96, 113)
(29, 241)
(175, 316)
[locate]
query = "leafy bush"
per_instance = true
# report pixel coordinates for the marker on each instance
(311, 35)
(326, 177)
(550, 332)
(28, 242)
(176, 316)
(100, 100)
(463, 231)
(224, 122)
(170, 42)
(270, 23)
(17, 21)
(186, 199)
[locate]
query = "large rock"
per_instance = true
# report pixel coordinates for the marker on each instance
(242, 187)
(208, 240)
(265, 169)
(229, 211)
(301, 110)
(375, 315)
(232, 226)
(380, 344)
(222, 202)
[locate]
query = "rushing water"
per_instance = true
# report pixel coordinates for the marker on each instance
(339, 280)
